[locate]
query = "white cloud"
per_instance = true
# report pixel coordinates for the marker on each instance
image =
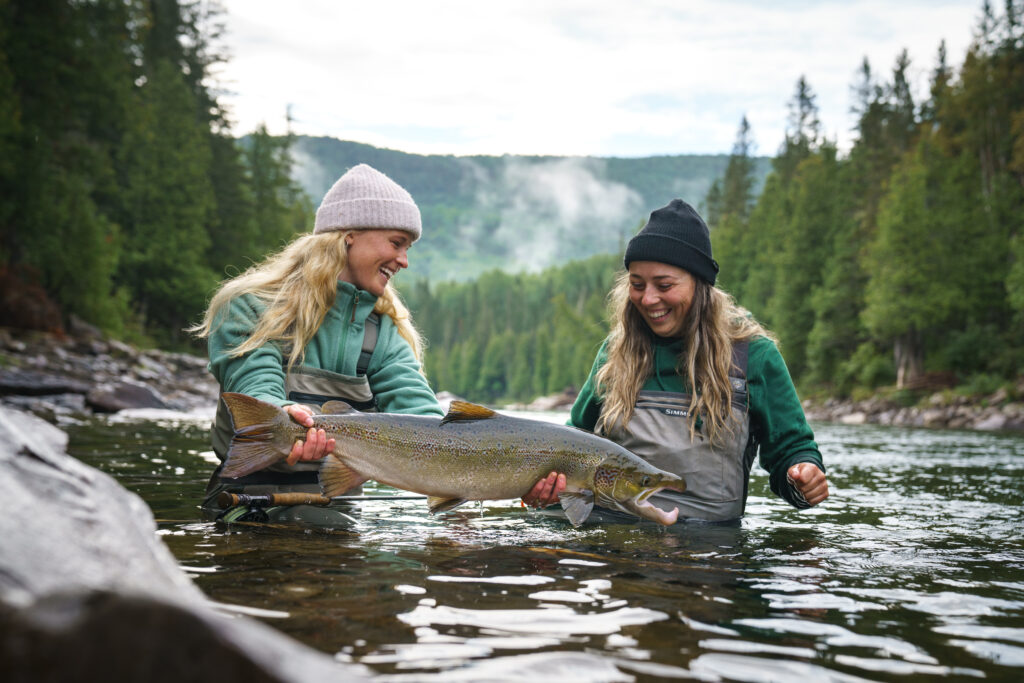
(583, 77)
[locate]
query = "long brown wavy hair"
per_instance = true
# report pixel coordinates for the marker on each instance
(298, 286)
(714, 322)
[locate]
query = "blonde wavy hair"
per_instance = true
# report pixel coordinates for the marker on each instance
(298, 286)
(714, 322)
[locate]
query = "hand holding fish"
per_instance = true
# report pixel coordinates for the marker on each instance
(809, 481)
(316, 445)
(546, 491)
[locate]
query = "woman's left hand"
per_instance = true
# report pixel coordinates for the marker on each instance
(316, 445)
(545, 492)
(810, 481)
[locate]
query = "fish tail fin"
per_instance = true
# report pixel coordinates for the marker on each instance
(336, 477)
(257, 442)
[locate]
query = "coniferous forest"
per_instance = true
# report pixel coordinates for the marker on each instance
(126, 197)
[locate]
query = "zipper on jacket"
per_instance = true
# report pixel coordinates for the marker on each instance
(355, 302)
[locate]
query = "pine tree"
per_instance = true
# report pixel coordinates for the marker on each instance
(729, 205)
(816, 210)
(167, 205)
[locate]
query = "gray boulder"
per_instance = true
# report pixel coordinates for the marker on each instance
(89, 592)
(110, 398)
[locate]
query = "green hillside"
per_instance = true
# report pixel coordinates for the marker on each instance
(517, 213)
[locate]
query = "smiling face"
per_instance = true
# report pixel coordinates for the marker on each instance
(662, 294)
(374, 257)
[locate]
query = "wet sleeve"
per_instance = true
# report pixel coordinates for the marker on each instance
(395, 379)
(587, 407)
(259, 373)
(777, 420)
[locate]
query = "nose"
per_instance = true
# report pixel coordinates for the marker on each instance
(403, 258)
(650, 296)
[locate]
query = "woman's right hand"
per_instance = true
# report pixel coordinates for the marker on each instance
(316, 445)
(545, 492)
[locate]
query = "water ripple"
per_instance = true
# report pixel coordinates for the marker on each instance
(555, 620)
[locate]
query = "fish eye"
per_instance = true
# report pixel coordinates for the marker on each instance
(646, 481)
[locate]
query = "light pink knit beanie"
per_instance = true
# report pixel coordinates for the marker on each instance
(365, 198)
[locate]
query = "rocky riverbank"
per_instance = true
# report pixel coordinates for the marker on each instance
(63, 377)
(939, 410)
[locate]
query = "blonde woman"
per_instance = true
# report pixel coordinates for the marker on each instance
(320, 321)
(673, 330)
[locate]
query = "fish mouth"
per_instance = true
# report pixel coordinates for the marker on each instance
(641, 507)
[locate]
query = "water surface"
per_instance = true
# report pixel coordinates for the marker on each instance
(913, 569)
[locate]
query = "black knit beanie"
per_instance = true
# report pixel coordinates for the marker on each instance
(678, 236)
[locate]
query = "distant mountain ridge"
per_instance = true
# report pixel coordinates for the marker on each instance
(517, 212)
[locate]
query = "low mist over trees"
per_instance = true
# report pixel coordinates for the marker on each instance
(519, 213)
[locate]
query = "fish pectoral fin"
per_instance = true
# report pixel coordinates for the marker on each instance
(463, 411)
(439, 504)
(336, 477)
(336, 408)
(577, 505)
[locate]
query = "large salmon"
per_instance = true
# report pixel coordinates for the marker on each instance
(472, 453)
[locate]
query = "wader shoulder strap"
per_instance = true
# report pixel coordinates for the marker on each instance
(370, 333)
(738, 374)
(740, 353)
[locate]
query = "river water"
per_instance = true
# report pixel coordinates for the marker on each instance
(913, 569)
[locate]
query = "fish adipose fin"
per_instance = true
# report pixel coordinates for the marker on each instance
(336, 477)
(577, 505)
(336, 408)
(462, 411)
(438, 504)
(255, 444)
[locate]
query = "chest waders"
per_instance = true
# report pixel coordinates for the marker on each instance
(716, 477)
(308, 386)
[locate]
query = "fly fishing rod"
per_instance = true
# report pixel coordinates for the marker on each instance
(226, 499)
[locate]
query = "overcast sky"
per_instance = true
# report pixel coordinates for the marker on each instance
(568, 77)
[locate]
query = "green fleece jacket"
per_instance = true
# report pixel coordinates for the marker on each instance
(394, 373)
(777, 421)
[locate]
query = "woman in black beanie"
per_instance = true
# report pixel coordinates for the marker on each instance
(673, 331)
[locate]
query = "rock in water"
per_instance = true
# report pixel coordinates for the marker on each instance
(88, 591)
(123, 395)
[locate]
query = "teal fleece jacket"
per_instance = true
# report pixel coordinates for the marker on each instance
(777, 421)
(394, 373)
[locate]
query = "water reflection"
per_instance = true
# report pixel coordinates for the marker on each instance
(913, 568)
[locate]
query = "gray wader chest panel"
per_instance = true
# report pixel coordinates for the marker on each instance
(716, 477)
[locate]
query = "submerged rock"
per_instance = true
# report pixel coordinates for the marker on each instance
(89, 592)
(110, 398)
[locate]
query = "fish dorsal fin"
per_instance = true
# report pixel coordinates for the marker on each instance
(441, 504)
(463, 411)
(577, 505)
(336, 408)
